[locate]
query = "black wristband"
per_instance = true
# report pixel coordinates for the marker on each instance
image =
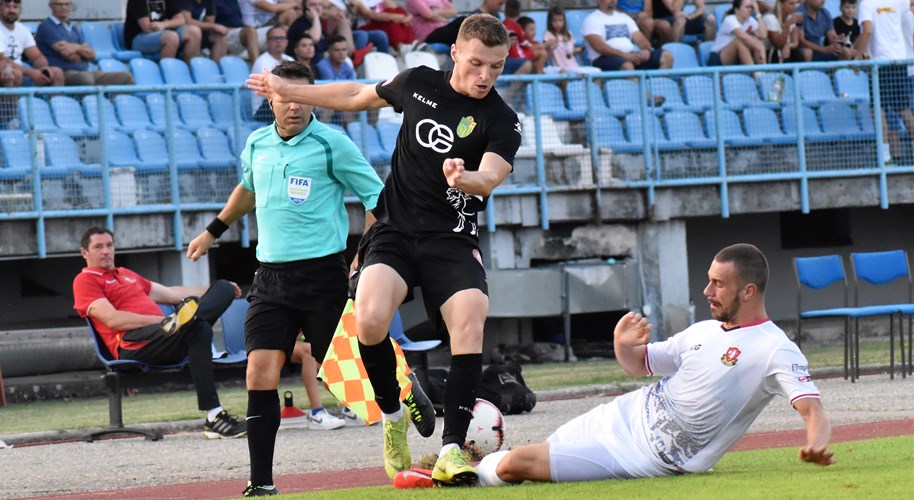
(217, 227)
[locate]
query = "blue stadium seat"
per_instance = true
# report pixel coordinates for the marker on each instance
(132, 112)
(551, 102)
(369, 142)
(388, 131)
(194, 111)
(684, 127)
(574, 19)
(839, 118)
(238, 145)
(577, 98)
(234, 69)
(762, 124)
(112, 65)
(122, 153)
(720, 12)
(152, 148)
(622, 97)
(60, 151)
(699, 92)
(766, 83)
(68, 114)
(608, 132)
(222, 110)
(865, 118)
(175, 71)
(215, 147)
(741, 91)
(811, 129)
(90, 107)
(684, 56)
(704, 51)
(43, 121)
(815, 88)
(205, 71)
(155, 103)
(101, 39)
(669, 89)
(731, 129)
(188, 151)
(146, 72)
(14, 147)
(853, 85)
(655, 133)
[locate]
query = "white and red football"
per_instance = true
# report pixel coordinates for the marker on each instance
(486, 433)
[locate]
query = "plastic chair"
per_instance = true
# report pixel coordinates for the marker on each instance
(873, 271)
(388, 131)
(214, 146)
(90, 107)
(157, 113)
(839, 119)
(194, 111)
(811, 130)
(369, 142)
(766, 84)
(42, 112)
(103, 41)
(419, 58)
(152, 149)
(68, 114)
(133, 114)
(551, 102)
(188, 151)
(111, 65)
(175, 71)
(379, 66)
(119, 371)
(233, 333)
(622, 97)
(684, 56)
(699, 92)
(853, 85)
(205, 71)
(815, 87)
(762, 124)
(60, 151)
(669, 90)
(234, 69)
(608, 132)
(732, 129)
(577, 98)
(146, 72)
(685, 127)
(740, 91)
(704, 52)
(238, 145)
(14, 147)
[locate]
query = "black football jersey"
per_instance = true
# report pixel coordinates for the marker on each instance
(439, 123)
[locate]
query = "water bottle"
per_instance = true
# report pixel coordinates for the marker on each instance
(777, 89)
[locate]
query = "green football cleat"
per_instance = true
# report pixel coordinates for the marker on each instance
(452, 469)
(396, 449)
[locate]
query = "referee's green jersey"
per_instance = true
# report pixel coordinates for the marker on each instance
(299, 184)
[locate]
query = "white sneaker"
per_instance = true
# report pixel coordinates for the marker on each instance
(324, 421)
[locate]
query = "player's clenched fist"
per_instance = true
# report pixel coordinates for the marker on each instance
(633, 329)
(200, 245)
(453, 171)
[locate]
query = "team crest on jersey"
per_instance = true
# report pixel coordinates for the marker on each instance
(729, 357)
(298, 188)
(466, 126)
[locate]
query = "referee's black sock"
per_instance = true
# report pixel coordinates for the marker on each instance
(381, 366)
(460, 396)
(262, 422)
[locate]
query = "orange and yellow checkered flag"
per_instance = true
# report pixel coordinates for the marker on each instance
(344, 373)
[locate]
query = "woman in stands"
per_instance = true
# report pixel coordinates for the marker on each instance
(739, 40)
(429, 15)
(783, 35)
(560, 44)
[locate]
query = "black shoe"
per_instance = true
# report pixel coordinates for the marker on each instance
(224, 425)
(421, 411)
(259, 491)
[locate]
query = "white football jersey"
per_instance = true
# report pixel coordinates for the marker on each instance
(715, 384)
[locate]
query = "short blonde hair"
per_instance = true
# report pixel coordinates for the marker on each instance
(485, 28)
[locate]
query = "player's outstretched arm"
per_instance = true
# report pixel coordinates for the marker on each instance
(818, 432)
(629, 339)
(240, 202)
(343, 96)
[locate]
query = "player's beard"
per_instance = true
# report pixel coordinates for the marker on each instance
(727, 315)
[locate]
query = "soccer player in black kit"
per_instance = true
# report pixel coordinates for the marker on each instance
(456, 144)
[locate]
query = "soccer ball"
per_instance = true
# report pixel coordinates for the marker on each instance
(486, 433)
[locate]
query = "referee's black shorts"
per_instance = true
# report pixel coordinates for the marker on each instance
(307, 295)
(442, 264)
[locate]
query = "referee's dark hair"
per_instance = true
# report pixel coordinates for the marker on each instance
(485, 28)
(294, 70)
(92, 231)
(751, 264)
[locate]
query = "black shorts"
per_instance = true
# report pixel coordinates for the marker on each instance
(894, 87)
(307, 295)
(442, 264)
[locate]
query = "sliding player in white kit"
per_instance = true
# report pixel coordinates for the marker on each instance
(718, 376)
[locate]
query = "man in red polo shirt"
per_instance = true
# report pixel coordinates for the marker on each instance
(123, 308)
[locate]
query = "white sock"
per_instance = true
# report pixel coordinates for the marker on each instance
(445, 448)
(395, 416)
(486, 469)
(210, 415)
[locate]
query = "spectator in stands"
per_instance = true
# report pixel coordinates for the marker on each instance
(882, 24)
(202, 14)
(389, 18)
(238, 39)
(523, 49)
(275, 54)
(334, 66)
(846, 26)
(158, 27)
(739, 40)
(304, 51)
(614, 41)
(18, 41)
(534, 51)
(63, 46)
(122, 306)
(671, 22)
(783, 34)
(258, 17)
(818, 40)
(560, 44)
(310, 24)
(429, 15)
(635, 10)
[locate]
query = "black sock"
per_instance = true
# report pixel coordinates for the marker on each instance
(460, 396)
(262, 422)
(381, 366)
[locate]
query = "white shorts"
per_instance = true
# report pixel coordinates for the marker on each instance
(233, 39)
(605, 443)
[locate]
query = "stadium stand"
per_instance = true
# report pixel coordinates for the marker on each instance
(175, 71)
(146, 72)
(815, 88)
(100, 37)
(684, 56)
(68, 115)
(205, 71)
